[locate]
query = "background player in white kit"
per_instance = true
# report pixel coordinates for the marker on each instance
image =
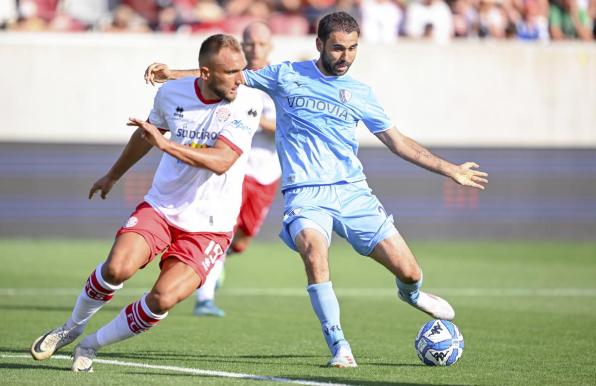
(190, 211)
(262, 174)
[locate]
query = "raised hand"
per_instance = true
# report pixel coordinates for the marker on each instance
(157, 73)
(151, 134)
(467, 176)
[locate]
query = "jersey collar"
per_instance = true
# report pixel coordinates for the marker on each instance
(201, 97)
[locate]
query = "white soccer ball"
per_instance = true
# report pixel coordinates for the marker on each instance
(439, 343)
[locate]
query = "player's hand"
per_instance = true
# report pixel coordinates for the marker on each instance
(104, 184)
(157, 73)
(467, 176)
(151, 134)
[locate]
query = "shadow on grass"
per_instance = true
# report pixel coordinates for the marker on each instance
(213, 358)
(272, 359)
(37, 307)
(32, 366)
(317, 360)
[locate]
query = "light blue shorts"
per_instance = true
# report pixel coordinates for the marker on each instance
(349, 209)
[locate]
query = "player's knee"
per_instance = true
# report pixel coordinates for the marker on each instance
(316, 267)
(159, 302)
(411, 273)
(314, 260)
(115, 271)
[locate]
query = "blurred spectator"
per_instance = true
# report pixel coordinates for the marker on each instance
(208, 17)
(184, 9)
(288, 19)
(493, 20)
(380, 20)
(125, 19)
(258, 10)
(146, 9)
(349, 6)
(237, 7)
(568, 21)
(8, 14)
(429, 18)
(44, 9)
(167, 20)
(592, 13)
(32, 16)
(87, 13)
(316, 9)
(465, 19)
(530, 23)
(63, 22)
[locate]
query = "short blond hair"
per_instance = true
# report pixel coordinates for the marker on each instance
(214, 43)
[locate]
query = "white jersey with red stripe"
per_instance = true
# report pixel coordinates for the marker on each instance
(191, 198)
(263, 164)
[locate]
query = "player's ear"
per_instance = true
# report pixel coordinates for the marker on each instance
(205, 72)
(319, 45)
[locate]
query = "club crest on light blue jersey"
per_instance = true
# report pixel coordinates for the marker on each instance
(317, 116)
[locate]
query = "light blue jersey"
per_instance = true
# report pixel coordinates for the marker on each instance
(316, 122)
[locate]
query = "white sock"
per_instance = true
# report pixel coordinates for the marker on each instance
(207, 289)
(130, 321)
(94, 295)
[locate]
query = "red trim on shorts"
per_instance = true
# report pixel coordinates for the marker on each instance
(187, 247)
(201, 97)
(231, 144)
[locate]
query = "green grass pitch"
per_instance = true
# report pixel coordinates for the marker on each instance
(527, 311)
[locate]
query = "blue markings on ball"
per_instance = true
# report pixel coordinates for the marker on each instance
(439, 343)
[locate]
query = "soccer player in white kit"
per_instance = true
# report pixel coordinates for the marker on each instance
(262, 174)
(190, 211)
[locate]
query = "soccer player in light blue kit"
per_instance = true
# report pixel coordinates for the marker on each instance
(318, 107)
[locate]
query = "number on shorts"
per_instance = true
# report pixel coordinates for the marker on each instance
(212, 253)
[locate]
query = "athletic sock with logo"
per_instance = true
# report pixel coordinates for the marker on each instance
(326, 307)
(94, 295)
(131, 321)
(409, 292)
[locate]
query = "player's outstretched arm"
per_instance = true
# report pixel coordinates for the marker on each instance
(136, 149)
(218, 158)
(410, 150)
(161, 73)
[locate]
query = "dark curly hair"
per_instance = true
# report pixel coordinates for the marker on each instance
(337, 21)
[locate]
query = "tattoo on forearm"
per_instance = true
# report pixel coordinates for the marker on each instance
(425, 158)
(418, 154)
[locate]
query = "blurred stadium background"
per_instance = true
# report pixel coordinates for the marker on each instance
(525, 111)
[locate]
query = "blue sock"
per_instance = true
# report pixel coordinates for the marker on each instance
(324, 303)
(409, 292)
